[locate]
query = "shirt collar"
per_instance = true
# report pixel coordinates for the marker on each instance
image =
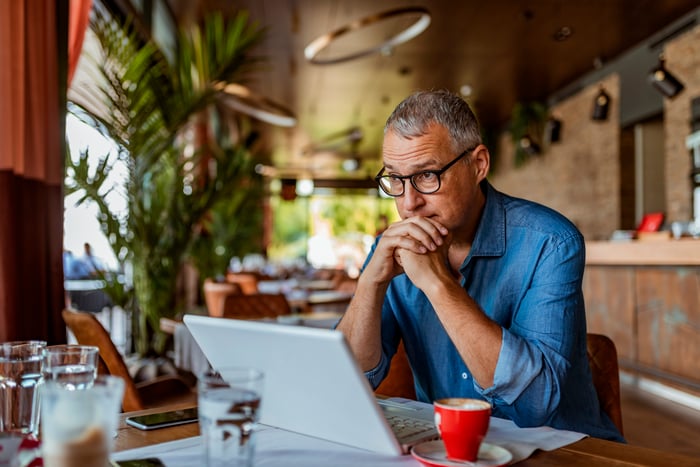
(490, 238)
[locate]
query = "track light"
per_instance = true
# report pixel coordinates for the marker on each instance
(664, 81)
(601, 105)
(553, 130)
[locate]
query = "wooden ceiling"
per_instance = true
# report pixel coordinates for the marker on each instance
(505, 50)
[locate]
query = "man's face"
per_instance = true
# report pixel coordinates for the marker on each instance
(459, 185)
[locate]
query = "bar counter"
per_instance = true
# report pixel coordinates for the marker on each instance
(662, 252)
(645, 295)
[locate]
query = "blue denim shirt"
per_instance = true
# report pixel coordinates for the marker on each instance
(525, 270)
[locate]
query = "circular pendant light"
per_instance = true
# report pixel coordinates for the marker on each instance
(312, 51)
(247, 102)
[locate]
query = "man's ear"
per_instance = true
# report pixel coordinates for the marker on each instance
(481, 162)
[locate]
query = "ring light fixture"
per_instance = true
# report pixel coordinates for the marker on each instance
(246, 101)
(317, 45)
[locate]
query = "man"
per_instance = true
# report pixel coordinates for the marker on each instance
(484, 289)
(93, 264)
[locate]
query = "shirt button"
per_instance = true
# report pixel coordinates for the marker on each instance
(465, 376)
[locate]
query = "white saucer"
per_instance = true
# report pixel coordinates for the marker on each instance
(432, 454)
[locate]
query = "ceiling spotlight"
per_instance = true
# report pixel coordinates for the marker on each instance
(664, 81)
(465, 90)
(601, 105)
(562, 34)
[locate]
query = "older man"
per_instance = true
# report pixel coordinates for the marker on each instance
(483, 288)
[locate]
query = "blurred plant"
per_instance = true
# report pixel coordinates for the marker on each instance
(527, 124)
(161, 114)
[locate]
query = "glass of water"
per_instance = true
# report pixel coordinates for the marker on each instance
(75, 366)
(20, 376)
(229, 409)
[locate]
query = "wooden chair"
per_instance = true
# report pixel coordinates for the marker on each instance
(159, 391)
(215, 294)
(399, 381)
(602, 357)
(255, 306)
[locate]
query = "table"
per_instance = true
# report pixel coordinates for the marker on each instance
(585, 453)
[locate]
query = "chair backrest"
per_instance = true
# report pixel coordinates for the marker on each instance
(255, 306)
(89, 331)
(247, 281)
(602, 357)
(399, 381)
(215, 293)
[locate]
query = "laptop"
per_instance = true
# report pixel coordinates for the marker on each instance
(313, 384)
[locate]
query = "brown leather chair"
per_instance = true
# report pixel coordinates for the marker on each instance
(399, 381)
(255, 306)
(215, 294)
(159, 391)
(602, 357)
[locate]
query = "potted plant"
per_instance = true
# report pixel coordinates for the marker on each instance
(164, 112)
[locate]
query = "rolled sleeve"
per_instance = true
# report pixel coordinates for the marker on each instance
(377, 374)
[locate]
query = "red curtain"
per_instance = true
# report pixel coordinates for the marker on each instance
(77, 25)
(33, 53)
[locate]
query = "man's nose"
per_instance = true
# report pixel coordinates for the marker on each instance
(412, 199)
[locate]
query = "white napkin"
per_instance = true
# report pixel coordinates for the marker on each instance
(522, 442)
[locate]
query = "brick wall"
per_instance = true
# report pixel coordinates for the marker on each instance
(582, 177)
(683, 60)
(579, 175)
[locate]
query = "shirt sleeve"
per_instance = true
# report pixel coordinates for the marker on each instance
(546, 335)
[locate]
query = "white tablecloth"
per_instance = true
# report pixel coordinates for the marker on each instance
(277, 447)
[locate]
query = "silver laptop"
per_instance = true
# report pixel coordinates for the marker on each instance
(313, 385)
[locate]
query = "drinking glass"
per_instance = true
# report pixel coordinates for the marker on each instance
(229, 408)
(72, 365)
(20, 375)
(77, 425)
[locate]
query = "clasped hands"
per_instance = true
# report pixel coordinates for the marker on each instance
(417, 246)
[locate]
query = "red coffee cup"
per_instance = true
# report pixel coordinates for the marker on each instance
(462, 423)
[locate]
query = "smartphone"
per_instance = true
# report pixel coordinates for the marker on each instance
(163, 419)
(147, 462)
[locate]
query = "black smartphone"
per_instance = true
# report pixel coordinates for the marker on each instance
(163, 419)
(147, 462)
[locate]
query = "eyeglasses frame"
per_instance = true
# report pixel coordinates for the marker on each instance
(403, 178)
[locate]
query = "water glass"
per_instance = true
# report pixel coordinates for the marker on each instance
(20, 375)
(72, 365)
(229, 408)
(77, 425)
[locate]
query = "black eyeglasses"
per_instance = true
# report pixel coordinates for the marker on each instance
(425, 182)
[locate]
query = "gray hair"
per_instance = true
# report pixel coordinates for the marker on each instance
(414, 115)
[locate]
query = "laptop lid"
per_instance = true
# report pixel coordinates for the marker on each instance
(313, 385)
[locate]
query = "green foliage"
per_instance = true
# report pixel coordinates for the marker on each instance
(150, 107)
(232, 228)
(527, 119)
